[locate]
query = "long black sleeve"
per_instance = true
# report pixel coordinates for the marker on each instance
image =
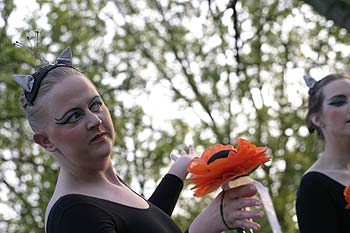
(167, 193)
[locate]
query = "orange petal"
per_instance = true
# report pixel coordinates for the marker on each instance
(347, 196)
(240, 161)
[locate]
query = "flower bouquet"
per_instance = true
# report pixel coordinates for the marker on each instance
(227, 166)
(223, 163)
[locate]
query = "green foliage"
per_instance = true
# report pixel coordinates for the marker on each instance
(228, 71)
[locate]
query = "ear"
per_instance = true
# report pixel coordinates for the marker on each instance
(44, 141)
(317, 120)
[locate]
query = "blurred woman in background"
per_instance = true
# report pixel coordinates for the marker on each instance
(320, 205)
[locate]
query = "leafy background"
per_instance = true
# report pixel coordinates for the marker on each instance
(173, 72)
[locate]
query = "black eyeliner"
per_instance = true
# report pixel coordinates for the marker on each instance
(67, 115)
(338, 100)
(93, 101)
(65, 118)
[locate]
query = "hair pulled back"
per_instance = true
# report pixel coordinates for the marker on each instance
(315, 101)
(37, 112)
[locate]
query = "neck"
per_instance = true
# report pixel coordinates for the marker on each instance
(81, 177)
(337, 153)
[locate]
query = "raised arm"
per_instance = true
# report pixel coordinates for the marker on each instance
(168, 191)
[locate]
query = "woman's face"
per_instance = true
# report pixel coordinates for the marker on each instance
(79, 126)
(334, 119)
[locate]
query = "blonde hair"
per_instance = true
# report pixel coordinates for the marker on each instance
(36, 112)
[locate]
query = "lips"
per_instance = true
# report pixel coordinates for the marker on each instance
(98, 138)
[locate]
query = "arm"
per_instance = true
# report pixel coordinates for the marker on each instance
(168, 191)
(166, 194)
(314, 207)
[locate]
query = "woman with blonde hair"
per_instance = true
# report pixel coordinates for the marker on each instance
(70, 121)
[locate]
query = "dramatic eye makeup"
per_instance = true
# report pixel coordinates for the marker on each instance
(75, 114)
(71, 116)
(338, 100)
(95, 104)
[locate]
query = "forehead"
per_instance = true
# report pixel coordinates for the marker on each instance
(337, 87)
(72, 91)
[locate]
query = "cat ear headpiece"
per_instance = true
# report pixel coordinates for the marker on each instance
(31, 83)
(311, 83)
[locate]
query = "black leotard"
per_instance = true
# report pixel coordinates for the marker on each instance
(320, 205)
(76, 213)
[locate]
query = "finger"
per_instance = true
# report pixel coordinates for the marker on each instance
(192, 151)
(183, 153)
(247, 224)
(243, 203)
(238, 220)
(173, 157)
(241, 191)
(244, 214)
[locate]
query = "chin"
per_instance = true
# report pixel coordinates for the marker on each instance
(106, 153)
(103, 152)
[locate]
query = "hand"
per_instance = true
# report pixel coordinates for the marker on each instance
(179, 168)
(234, 203)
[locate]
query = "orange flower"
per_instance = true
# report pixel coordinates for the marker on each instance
(347, 196)
(222, 163)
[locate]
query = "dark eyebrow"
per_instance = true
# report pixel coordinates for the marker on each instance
(66, 116)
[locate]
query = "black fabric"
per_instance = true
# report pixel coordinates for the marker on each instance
(79, 213)
(320, 205)
(38, 77)
(167, 193)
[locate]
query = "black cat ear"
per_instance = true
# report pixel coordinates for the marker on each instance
(25, 81)
(65, 57)
(310, 81)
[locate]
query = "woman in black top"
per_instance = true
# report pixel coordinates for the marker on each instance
(320, 202)
(70, 120)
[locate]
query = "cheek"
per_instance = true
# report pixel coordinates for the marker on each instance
(66, 136)
(111, 128)
(108, 121)
(333, 113)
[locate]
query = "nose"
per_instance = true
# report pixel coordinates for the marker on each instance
(94, 121)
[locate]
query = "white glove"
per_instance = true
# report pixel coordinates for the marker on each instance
(179, 168)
